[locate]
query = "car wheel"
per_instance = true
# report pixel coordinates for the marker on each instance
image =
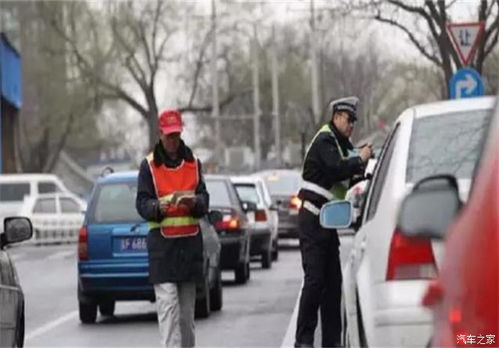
(216, 294)
(20, 331)
(88, 312)
(242, 273)
(275, 251)
(267, 259)
(202, 309)
(107, 308)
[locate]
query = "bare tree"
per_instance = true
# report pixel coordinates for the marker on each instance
(435, 43)
(55, 107)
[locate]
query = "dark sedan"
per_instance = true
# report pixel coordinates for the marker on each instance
(11, 294)
(233, 229)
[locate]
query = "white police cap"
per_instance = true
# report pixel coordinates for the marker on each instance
(348, 104)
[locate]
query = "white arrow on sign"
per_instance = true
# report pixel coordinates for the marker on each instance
(469, 84)
(465, 37)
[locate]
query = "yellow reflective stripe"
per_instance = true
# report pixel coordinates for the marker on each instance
(174, 222)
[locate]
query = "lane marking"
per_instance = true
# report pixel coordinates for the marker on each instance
(51, 325)
(289, 337)
(61, 255)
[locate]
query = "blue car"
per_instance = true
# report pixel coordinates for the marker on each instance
(112, 252)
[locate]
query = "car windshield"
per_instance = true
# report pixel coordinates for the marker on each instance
(247, 192)
(446, 144)
(115, 203)
(283, 184)
(219, 194)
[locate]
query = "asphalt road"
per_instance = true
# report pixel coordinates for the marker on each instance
(259, 314)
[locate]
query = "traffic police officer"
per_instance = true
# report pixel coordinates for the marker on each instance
(329, 165)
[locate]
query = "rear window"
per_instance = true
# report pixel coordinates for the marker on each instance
(446, 144)
(283, 184)
(13, 192)
(247, 192)
(115, 203)
(219, 194)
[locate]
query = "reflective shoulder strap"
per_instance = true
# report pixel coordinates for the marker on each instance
(310, 186)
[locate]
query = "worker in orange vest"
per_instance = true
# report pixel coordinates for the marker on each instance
(172, 196)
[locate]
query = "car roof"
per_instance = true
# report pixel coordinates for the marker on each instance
(245, 179)
(278, 171)
(449, 106)
(216, 177)
(24, 177)
(119, 177)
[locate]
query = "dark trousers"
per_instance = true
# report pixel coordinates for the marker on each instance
(322, 286)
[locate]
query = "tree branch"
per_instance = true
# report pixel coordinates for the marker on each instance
(223, 104)
(411, 36)
(199, 66)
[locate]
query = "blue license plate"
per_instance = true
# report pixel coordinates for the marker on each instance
(133, 244)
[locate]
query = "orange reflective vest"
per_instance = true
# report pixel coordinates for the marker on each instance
(178, 221)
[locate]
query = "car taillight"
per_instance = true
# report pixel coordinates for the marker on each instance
(260, 215)
(433, 295)
(294, 203)
(410, 258)
(229, 222)
(82, 244)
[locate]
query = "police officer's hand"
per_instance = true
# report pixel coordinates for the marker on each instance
(366, 153)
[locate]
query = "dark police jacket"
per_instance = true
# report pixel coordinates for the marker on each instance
(171, 259)
(325, 166)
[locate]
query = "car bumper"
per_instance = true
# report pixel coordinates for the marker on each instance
(233, 251)
(400, 319)
(260, 241)
(118, 280)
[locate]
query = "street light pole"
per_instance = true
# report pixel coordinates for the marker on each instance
(215, 111)
(314, 73)
(256, 100)
(275, 100)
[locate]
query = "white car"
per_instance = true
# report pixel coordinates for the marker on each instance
(264, 221)
(56, 217)
(14, 187)
(386, 274)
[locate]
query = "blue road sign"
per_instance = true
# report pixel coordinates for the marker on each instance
(466, 83)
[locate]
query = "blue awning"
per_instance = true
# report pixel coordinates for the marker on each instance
(10, 73)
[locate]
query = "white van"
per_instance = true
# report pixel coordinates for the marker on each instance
(14, 187)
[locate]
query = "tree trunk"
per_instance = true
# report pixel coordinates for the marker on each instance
(152, 122)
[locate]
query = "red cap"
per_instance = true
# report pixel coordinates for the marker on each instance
(170, 121)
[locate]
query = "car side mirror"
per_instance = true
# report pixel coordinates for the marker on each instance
(214, 216)
(248, 206)
(16, 229)
(430, 208)
(337, 214)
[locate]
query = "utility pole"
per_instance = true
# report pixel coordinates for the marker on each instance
(256, 100)
(275, 100)
(314, 73)
(215, 111)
